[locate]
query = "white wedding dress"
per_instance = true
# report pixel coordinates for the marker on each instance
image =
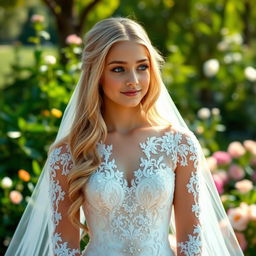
(132, 217)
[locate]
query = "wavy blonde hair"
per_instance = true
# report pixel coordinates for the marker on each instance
(89, 127)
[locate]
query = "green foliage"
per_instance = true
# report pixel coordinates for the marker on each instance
(209, 71)
(31, 107)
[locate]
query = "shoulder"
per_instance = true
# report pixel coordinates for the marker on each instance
(184, 141)
(60, 158)
(185, 135)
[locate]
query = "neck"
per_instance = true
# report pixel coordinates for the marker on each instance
(123, 119)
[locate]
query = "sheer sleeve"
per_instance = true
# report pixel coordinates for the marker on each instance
(186, 199)
(65, 237)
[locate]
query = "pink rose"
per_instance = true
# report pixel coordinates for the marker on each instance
(223, 175)
(37, 18)
(222, 157)
(239, 217)
(212, 163)
(236, 172)
(236, 149)
(241, 240)
(252, 212)
(250, 145)
(73, 39)
(244, 186)
(218, 183)
(15, 196)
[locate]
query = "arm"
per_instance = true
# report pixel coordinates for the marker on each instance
(65, 237)
(186, 197)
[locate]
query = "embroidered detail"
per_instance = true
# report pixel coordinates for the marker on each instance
(134, 216)
(193, 246)
(56, 160)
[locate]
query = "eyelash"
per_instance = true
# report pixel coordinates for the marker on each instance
(145, 67)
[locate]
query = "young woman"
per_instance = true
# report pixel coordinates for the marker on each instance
(126, 163)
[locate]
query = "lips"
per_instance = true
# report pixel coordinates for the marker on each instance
(131, 92)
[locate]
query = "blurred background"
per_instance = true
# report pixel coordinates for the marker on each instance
(210, 71)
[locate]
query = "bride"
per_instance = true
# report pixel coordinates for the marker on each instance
(124, 167)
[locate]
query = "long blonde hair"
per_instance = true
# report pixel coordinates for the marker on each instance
(89, 127)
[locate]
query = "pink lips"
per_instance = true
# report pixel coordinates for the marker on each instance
(131, 92)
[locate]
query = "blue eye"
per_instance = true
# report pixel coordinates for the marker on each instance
(143, 67)
(117, 69)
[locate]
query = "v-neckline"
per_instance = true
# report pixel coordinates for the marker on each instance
(132, 183)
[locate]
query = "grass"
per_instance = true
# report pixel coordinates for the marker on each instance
(26, 58)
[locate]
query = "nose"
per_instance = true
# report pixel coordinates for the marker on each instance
(132, 79)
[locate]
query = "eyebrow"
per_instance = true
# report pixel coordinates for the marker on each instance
(124, 62)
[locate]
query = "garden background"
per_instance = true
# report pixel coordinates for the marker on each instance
(210, 71)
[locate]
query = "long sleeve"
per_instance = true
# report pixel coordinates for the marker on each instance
(65, 237)
(186, 199)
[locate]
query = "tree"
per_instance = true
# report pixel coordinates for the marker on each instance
(70, 16)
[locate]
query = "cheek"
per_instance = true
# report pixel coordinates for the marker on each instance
(145, 80)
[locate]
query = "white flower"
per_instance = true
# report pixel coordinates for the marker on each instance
(228, 58)
(211, 67)
(235, 38)
(223, 46)
(50, 60)
(14, 134)
(204, 113)
(43, 68)
(215, 111)
(6, 182)
(250, 73)
(45, 35)
(237, 56)
(232, 57)
(77, 50)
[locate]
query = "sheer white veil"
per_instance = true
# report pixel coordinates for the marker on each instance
(33, 234)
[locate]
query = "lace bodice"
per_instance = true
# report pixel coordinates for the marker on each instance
(132, 218)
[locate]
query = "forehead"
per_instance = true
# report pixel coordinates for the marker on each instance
(127, 51)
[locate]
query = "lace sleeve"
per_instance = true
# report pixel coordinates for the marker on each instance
(65, 237)
(186, 199)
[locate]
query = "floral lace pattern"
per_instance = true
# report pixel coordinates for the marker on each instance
(131, 219)
(59, 162)
(193, 246)
(136, 217)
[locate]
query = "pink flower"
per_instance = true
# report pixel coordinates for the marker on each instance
(250, 145)
(252, 212)
(239, 217)
(73, 39)
(241, 240)
(236, 149)
(236, 172)
(222, 157)
(223, 176)
(37, 18)
(212, 163)
(244, 186)
(218, 183)
(15, 196)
